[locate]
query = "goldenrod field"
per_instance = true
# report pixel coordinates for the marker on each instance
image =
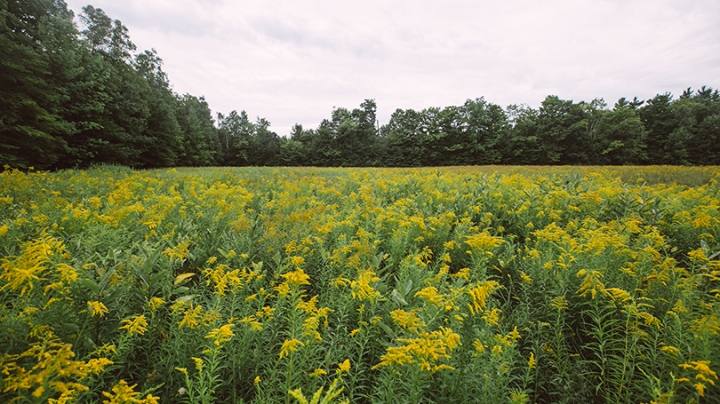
(281, 285)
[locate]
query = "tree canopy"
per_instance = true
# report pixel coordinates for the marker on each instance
(75, 95)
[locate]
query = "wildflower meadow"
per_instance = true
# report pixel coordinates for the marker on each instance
(310, 285)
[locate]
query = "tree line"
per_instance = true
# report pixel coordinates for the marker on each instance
(72, 97)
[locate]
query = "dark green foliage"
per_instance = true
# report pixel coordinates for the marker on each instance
(243, 143)
(200, 140)
(521, 145)
(29, 130)
(74, 97)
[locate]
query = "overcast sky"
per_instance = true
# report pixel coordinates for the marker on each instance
(293, 61)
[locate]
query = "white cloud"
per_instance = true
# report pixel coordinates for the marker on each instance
(292, 61)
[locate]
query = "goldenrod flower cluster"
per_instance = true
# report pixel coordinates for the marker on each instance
(462, 284)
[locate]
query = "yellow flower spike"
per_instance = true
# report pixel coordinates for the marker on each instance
(122, 393)
(221, 335)
(105, 349)
(493, 317)
(68, 274)
(704, 374)
(343, 367)
(483, 242)
(670, 350)
(296, 278)
(135, 325)
(257, 380)
(283, 290)
(531, 361)
(296, 261)
(407, 320)
(23, 271)
(96, 366)
(289, 346)
(479, 347)
(198, 364)
(463, 274)
(155, 303)
(479, 295)
(309, 306)
(191, 317)
(318, 372)
(430, 294)
(97, 309)
(362, 288)
(38, 392)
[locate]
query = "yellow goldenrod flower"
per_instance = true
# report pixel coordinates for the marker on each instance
(479, 295)
(122, 393)
(96, 366)
(318, 397)
(671, 350)
(297, 277)
(296, 261)
(283, 290)
(155, 303)
(463, 274)
(343, 367)
(703, 374)
(407, 320)
(252, 322)
(135, 325)
(221, 335)
(289, 346)
(591, 283)
(483, 242)
(318, 372)
(493, 317)
(362, 288)
(191, 317)
(267, 312)
(430, 294)
(198, 364)
(68, 274)
(257, 380)
(309, 306)
(97, 309)
(310, 326)
(23, 271)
